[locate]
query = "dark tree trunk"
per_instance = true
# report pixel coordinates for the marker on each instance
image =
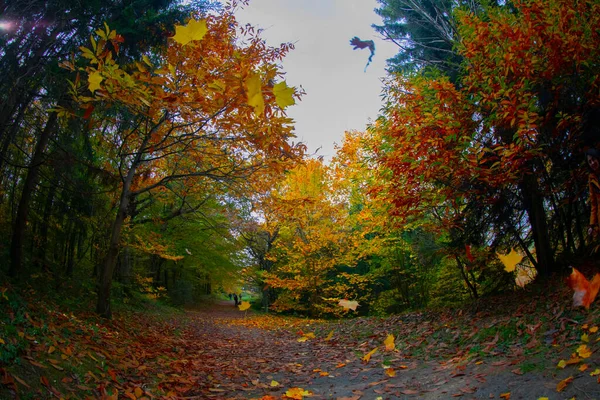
(20, 226)
(534, 205)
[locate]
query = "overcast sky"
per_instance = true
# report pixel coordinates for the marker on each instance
(339, 96)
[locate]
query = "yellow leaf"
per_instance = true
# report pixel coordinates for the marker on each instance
(543, 398)
(274, 383)
(94, 81)
(51, 349)
(297, 393)
(510, 260)
(595, 372)
(563, 384)
(329, 336)
(584, 351)
(244, 305)
(389, 343)
(254, 93)
(593, 329)
(367, 357)
(138, 392)
(391, 372)
(348, 305)
(2, 341)
(194, 30)
(283, 94)
(585, 338)
(561, 364)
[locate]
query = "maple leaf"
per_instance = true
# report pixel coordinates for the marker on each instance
(584, 291)
(194, 30)
(94, 81)
(510, 260)
(283, 94)
(244, 305)
(584, 351)
(349, 304)
(389, 343)
(254, 93)
(297, 393)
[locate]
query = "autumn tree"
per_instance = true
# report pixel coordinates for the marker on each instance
(489, 147)
(204, 113)
(313, 255)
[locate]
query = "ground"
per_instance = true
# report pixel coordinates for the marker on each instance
(516, 347)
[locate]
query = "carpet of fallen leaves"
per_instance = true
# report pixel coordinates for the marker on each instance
(523, 346)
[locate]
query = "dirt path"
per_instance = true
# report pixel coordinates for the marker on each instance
(240, 361)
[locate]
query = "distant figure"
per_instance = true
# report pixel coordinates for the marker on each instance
(593, 161)
(230, 296)
(363, 44)
(235, 299)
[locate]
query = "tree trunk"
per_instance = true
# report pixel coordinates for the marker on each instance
(534, 205)
(108, 266)
(20, 226)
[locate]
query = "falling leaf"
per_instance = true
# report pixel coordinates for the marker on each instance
(194, 30)
(328, 338)
(283, 94)
(584, 291)
(563, 384)
(244, 305)
(510, 260)
(389, 343)
(297, 393)
(254, 93)
(94, 81)
(584, 351)
(367, 356)
(348, 304)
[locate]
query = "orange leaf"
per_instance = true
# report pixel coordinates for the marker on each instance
(367, 357)
(138, 392)
(563, 384)
(584, 291)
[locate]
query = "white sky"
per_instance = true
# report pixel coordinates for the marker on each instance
(340, 96)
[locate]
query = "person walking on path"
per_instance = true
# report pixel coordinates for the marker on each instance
(235, 299)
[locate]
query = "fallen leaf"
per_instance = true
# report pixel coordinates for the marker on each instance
(329, 336)
(391, 372)
(367, 357)
(389, 342)
(563, 384)
(297, 393)
(593, 329)
(274, 383)
(505, 396)
(584, 351)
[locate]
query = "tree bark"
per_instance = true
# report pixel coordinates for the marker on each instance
(20, 225)
(534, 205)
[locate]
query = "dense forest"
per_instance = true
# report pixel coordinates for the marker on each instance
(145, 149)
